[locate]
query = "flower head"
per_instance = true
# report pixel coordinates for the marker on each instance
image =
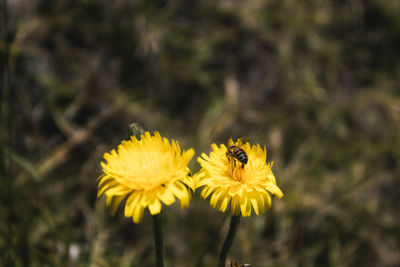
(227, 179)
(146, 172)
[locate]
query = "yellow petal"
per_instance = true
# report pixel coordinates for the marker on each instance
(261, 203)
(267, 201)
(203, 181)
(104, 186)
(178, 189)
(206, 192)
(245, 206)
(155, 206)
(118, 190)
(215, 197)
(184, 201)
(202, 161)
(189, 181)
(255, 205)
(187, 155)
(214, 147)
(240, 192)
(101, 178)
(115, 203)
(137, 214)
(131, 202)
(274, 190)
(235, 205)
(166, 196)
(223, 202)
(108, 200)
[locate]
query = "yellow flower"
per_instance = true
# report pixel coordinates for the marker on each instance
(146, 172)
(226, 179)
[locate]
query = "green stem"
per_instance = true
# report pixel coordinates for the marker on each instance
(158, 240)
(228, 240)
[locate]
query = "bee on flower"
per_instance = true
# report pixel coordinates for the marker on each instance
(235, 152)
(239, 175)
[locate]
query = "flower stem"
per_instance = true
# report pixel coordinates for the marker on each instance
(228, 240)
(158, 240)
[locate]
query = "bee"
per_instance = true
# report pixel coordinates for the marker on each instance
(236, 152)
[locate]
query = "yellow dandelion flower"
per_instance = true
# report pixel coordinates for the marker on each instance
(147, 172)
(228, 180)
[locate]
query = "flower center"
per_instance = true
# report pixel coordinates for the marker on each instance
(237, 170)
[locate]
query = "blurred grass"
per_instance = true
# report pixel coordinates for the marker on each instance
(317, 82)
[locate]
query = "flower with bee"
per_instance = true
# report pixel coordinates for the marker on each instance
(235, 152)
(237, 174)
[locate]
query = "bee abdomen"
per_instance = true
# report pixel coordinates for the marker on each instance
(240, 155)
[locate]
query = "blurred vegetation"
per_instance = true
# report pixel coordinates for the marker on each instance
(317, 82)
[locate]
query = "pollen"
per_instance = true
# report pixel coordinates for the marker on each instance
(236, 170)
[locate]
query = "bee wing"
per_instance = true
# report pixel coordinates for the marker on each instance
(230, 142)
(243, 140)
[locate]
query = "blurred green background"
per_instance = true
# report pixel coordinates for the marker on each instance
(317, 82)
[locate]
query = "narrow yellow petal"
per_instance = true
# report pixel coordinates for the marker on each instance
(223, 202)
(245, 206)
(155, 206)
(268, 201)
(214, 147)
(131, 202)
(215, 197)
(189, 181)
(148, 136)
(102, 178)
(137, 214)
(206, 192)
(261, 203)
(203, 160)
(105, 186)
(188, 155)
(203, 182)
(178, 189)
(274, 190)
(115, 203)
(240, 192)
(184, 201)
(235, 205)
(255, 205)
(108, 200)
(166, 196)
(117, 190)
